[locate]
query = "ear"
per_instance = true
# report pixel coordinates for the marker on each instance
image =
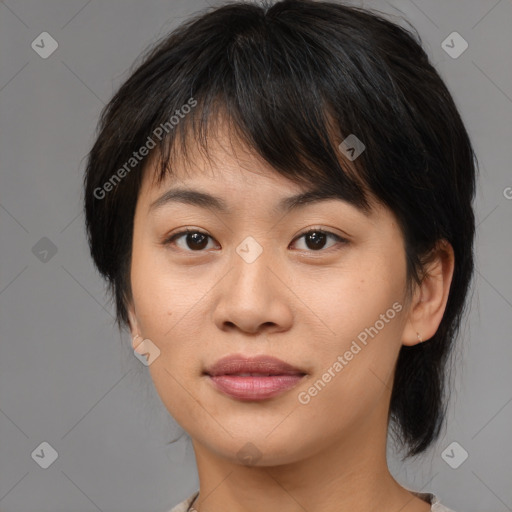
(134, 326)
(430, 297)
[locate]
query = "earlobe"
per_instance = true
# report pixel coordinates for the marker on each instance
(431, 296)
(134, 328)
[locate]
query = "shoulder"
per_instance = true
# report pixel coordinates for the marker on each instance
(436, 505)
(183, 506)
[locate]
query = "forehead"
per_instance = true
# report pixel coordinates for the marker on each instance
(270, 200)
(231, 189)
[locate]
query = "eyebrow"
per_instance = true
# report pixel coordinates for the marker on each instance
(208, 201)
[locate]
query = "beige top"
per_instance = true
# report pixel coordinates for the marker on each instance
(425, 496)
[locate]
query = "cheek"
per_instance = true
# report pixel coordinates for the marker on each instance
(363, 309)
(163, 300)
(160, 293)
(170, 308)
(353, 299)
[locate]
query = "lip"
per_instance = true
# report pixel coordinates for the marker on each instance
(268, 376)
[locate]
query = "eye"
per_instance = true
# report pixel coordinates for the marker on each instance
(194, 239)
(315, 239)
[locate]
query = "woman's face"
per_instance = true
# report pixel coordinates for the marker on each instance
(255, 284)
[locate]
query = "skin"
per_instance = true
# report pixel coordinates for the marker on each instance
(300, 304)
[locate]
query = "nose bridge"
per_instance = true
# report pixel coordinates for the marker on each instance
(251, 261)
(251, 296)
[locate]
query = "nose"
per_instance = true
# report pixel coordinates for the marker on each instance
(254, 297)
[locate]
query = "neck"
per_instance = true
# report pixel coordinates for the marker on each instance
(351, 474)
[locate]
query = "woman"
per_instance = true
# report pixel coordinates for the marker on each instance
(280, 197)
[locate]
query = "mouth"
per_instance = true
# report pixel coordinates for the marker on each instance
(256, 378)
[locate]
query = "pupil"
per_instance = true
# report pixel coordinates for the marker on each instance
(315, 235)
(198, 244)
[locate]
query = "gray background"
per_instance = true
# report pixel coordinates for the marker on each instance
(68, 377)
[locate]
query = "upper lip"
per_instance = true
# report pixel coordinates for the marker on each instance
(264, 365)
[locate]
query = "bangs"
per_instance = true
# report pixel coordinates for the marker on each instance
(271, 92)
(308, 158)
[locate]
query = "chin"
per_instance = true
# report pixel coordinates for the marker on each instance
(258, 450)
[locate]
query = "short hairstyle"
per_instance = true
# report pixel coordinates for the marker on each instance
(294, 78)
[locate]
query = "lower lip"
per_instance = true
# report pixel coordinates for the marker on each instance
(254, 388)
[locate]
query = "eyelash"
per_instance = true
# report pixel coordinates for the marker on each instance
(170, 240)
